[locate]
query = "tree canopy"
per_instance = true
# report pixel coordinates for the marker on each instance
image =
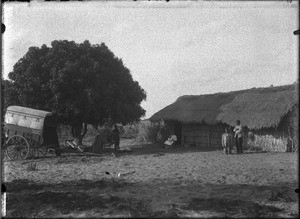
(76, 81)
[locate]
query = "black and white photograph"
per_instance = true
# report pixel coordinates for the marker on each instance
(150, 109)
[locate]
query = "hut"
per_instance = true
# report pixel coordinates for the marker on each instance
(269, 116)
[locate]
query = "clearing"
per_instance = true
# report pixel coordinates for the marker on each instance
(155, 182)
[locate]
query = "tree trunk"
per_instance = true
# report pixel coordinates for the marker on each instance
(83, 134)
(76, 132)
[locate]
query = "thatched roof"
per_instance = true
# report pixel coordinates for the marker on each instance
(256, 108)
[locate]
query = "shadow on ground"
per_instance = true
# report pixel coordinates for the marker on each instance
(27, 199)
(149, 149)
(140, 149)
(233, 207)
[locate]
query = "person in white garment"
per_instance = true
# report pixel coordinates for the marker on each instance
(226, 142)
(171, 139)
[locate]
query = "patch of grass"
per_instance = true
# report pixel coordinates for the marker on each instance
(284, 196)
(233, 207)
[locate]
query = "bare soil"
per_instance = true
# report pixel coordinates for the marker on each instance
(154, 182)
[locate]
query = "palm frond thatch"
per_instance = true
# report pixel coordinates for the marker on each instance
(256, 108)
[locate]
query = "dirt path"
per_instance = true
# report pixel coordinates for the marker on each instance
(160, 182)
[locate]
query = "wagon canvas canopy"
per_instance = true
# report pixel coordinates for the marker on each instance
(26, 117)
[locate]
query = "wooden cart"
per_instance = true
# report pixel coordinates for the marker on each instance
(29, 132)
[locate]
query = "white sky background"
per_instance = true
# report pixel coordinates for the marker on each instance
(172, 49)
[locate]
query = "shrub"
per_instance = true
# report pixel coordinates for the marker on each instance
(147, 132)
(129, 131)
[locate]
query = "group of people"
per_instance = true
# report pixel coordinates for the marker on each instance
(111, 137)
(105, 137)
(227, 140)
(238, 139)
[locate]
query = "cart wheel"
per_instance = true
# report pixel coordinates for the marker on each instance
(17, 147)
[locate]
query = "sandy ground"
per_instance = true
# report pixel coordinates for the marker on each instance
(154, 182)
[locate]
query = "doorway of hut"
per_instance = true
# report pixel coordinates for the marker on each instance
(178, 132)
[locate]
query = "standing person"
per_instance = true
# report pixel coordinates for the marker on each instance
(116, 137)
(238, 137)
(226, 142)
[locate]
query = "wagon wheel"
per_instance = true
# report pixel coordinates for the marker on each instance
(17, 147)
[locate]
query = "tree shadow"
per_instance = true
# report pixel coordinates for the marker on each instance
(27, 199)
(255, 152)
(73, 196)
(148, 149)
(143, 149)
(230, 207)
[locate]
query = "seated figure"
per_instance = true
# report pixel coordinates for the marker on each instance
(171, 140)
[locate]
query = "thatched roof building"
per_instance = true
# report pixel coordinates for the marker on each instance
(257, 108)
(201, 119)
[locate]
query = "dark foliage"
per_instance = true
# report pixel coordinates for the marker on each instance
(82, 83)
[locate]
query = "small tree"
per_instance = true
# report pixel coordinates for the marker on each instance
(82, 83)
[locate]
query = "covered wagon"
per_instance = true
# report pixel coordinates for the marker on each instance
(29, 132)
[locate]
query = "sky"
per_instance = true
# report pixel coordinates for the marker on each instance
(171, 48)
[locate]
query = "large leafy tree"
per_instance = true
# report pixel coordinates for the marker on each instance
(82, 83)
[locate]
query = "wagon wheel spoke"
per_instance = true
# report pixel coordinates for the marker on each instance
(10, 151)
(13, 155)
(18, 154)
(23, 152)
(23, 148)
(17, 147)
(10, 148)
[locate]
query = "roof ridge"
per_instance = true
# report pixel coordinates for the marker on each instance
(239, 91)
